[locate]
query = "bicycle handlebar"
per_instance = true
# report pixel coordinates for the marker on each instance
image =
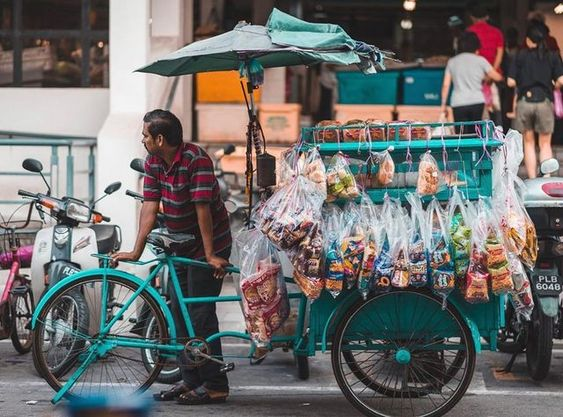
(24, 193)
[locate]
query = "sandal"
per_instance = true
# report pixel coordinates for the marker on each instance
(172, 393)
(202, 395)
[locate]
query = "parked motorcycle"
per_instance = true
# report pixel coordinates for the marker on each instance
(544, 202)
(64, 249)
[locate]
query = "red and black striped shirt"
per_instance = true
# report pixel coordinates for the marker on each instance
(190, 179)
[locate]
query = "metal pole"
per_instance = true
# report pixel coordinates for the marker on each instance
(70, 173)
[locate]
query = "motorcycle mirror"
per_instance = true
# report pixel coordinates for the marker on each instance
(32, 165)
(112, 188)
(549, 166)
(229, 149)
(138, 165)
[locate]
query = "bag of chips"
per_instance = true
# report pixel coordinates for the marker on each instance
(333, 260)
(475, 287)
(291, 212)
(418, 243)
(521, 296)
(340, 180)
(370, 222)
(460, 233)
(263, 290)
(428, 175)
(441, 262)
(386, 172)
(306, 259)
(353, 242)
(400, 250)
(383, 265)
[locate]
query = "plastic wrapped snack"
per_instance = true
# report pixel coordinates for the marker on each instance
(262, 287)
(529, 254)
(340, 180)
(460, 232)
(406, 130)
(314, 170)
(476, 288)
(441, 263)
(291, 212)
(521, 296)
(386, 171)
(400, 250)
(328, 131)
(306, 260)
(418, 243)
(376, 130)
(352, 243)
(428, 175)
(354, 131)
(334, 263)
(383, 268)
(371, 225)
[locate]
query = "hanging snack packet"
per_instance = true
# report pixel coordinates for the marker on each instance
(383, 266)
(441, 263)
(327, 131)
(334, 263)
(529, 254)
(400, 251)
(428, 175)
(340, 180)
(476, 288)
(521, 296)
(306, 261)
(376, 130)
(418, 243)
(353, 243)
(314, 170)
(263, 290)
(370, 221)
(460, 233)
(386, 171)
(354, 131)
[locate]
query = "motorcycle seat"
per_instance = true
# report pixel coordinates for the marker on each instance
(170, 242)
(108, 237)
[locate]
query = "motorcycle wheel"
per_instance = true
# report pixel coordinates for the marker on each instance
(508, 340)
(539, 345)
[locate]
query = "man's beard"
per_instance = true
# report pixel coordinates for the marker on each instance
(147, 149)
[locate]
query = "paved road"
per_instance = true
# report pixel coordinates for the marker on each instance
(272, 389)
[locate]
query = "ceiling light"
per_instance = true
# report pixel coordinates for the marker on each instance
(406, 24)
(409, 5)
(558, 9)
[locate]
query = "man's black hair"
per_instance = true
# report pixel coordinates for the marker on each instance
(165, 123)
(478, 10)
(468, 42)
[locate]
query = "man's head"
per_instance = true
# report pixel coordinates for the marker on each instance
(468, 42)
(535, 35)
(478, 12)
(161, 130)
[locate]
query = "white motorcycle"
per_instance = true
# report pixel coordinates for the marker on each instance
(64, 249)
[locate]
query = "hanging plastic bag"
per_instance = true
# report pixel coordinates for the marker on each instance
(460, 233)
(383, 266)
(353, 243)
(371, 224)
(314, 170)
(307, 263)
(521, 296)
(476, 286)
(264, 294)
(428, 175)
(340, 180)
(289, 215)
(400, 251)
(334, 263)
(441, 263)
(557, 103)
(418, 243)
(386, 171)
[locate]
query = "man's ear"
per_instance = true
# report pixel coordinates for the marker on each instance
(160, 140)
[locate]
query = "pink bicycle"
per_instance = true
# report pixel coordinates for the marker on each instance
(16, 303)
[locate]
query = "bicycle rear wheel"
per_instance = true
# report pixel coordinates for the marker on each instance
(22, 307)
(113, 367)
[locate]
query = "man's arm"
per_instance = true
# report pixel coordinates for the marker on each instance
(205, 223)
(445, 90)
(147, 220)
(498, 58)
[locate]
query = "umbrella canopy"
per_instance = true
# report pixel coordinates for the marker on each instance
(284, 41)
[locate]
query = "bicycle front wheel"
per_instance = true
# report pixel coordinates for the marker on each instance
(109, 361)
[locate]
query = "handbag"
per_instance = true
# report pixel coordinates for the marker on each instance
(557, 104)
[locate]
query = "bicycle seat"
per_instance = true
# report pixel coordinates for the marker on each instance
(108, 237)
(170, 242)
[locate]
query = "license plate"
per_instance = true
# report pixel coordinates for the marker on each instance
(546, 283)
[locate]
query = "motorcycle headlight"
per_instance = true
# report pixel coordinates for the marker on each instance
(78, 212)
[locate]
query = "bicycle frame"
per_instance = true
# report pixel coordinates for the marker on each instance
(105, 345)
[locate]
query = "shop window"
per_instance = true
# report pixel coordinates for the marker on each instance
(42, 43)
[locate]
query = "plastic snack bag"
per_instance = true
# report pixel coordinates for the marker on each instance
(428, 175)
(354, 131)
(262, 286)
(441, 262)
(315, 171)
(476, 288)
(521, 296)
(288, 216)
(340, 180)
(418, 243)
(383, 266)
(460, 233)
(353, 243)
(376, 130)
(400, 250)
(307, 263)
(386, 171)
(370, 221)
(334, 263)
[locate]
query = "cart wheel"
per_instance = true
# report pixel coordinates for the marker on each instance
(302, 363)
(415, 358)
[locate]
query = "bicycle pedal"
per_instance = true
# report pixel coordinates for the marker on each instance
(228, 367)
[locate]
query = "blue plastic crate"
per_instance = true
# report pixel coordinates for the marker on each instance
(422, 87)
(358, 88)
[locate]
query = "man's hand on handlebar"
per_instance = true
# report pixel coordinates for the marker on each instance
(124, 256)
(218, 265)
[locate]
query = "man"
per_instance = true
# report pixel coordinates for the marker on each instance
(456, 29)
(181, 176)
(492, 49)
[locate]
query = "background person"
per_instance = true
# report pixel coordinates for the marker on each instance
(466, 71)
(533, 72)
